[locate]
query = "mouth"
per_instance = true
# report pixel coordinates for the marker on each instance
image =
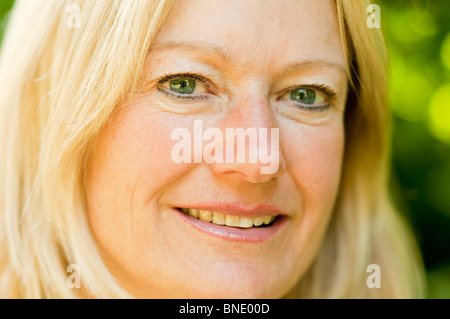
(234, 223)
(228, 220)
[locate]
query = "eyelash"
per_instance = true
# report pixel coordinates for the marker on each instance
(329, 93)
(195, 98)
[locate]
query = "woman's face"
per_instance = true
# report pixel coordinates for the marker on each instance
(234, 64)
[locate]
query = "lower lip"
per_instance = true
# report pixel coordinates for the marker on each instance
(249, 235)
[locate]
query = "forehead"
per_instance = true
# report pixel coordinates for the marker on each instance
(258, 32)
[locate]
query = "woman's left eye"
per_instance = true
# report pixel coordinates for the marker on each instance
(306, 96)
(182, 86)
(311, 97)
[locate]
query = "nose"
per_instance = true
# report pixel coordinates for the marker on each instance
(251, 142)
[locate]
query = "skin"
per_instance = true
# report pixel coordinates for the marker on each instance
(133, 182)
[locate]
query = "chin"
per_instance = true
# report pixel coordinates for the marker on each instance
(238, 285)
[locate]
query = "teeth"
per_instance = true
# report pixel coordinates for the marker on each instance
(193, 212)
(268, 219)
(218, 219)
(258, 221)
(246, 222)
(231, 220)
(205, 215)
(228, 220)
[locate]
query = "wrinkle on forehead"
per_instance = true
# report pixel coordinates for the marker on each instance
(260, 32)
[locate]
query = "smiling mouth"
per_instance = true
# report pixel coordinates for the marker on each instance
(229, 220)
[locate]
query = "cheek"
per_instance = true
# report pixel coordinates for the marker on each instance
(135, 146)
(131, 164)
(314, 161)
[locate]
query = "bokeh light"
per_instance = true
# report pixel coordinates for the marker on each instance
(439, 113)
(445, 51)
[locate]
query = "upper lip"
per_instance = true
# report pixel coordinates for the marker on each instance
(237, 209)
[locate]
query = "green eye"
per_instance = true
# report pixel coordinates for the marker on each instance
(182, 85)
(304, 96)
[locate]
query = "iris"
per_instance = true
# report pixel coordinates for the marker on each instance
(303, 96)
(182, 85)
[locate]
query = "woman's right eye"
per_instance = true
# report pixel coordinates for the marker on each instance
(184, 86)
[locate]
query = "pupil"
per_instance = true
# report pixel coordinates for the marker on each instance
(182, 86)
(304, 96)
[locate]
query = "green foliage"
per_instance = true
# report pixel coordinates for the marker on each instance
(418, 37)
(5, 6)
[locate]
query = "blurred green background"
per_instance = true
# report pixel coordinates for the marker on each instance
(417, 33)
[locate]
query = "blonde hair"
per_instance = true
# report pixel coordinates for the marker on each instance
(60, 85)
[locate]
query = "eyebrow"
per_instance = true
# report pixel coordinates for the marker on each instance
(194, 46)
(310, 64)
(227, 56)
